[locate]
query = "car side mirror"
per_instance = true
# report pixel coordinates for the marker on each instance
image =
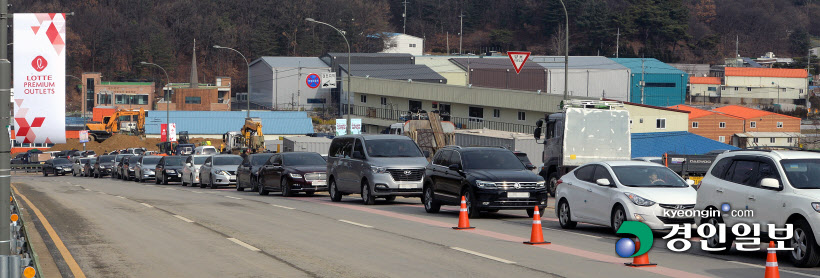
(603, 182)
(530, 167)
(455, 167)
(358, 155)
(690, 182)
(537, 133)
(770, 183)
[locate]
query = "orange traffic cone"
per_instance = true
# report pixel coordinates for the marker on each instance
(537, 235)
(642, 260)
(771, 263)
(463, 217)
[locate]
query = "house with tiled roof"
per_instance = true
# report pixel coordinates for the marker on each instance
(716, 126)
(763, 128)
(764, 86)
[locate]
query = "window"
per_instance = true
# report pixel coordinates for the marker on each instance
(341, 147)
(441, 158)
(753, 124)
(779, 124)
(585, 173)
(694, 124)
(412, 45)
(104, 99)
(722, 139)
(384, 100)
(736, 88)
(641, 120)
(712, 89)
(601, 173)
(496, 113)
(363, 98)
(476, 112)
(193, 100)
(789, 140)
(722, 124)
(784, 89)
(455, 158)
(130, 99)
(394, 45)
(660, 124)
(522, 116)
(742, 172)
(748, 89)
(771, 140)
(359, 147)
(664, 85)
(801, 91)
(415, 106)
(754, 140)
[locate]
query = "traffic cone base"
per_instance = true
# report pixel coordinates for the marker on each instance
(642, 260)
(463, 217)
(537, 235)
(772, 270)
(463, 228)
(537, 243)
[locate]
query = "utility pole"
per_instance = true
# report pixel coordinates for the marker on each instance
(737, 46)
(5, 144)
(448, 43)
(566, 51)
(460, 32)
(618, 43)
(298, 86)
(276, 89)
(404, 15)
(643, 83)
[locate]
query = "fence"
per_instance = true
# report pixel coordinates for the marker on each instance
(460, 122)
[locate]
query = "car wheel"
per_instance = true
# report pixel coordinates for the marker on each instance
(286, 192)
(805, 252)
(211, 182)
(262, 191)
(714, 241)
(390, 198)
(254, 184)
(472, 207)
(553, 184)
(156, 179)
(239, 184)
(335, 195)
(565, 216)
(164, 179)
(44, 173)
(367, 196)
(617, 218)
(73, 173)
(431, 205)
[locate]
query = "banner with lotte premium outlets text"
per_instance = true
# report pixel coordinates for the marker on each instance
(39, 77)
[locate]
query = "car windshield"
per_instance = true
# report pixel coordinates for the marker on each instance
(106, 158)
(802, 173)
(174, 160)
(228, 160)
(199, 160)
(304, 159)
(260, 159)
(523, 158)
(647, 176)
(61, 161)
(208, 151)
(151, 160)
(392, 148)
(498, 159)
(84, 160)
(92, 161)
(120, 157)
(139, 151)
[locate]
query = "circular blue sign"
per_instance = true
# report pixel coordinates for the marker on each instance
(313, 81)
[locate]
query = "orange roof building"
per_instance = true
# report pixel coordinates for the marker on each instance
(716, 126)
(764, 86)
(760, 120)
(704, 80)
(767, 72)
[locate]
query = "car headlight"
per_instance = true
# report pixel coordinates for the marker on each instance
(171, 171)
(816, 206)
(485, 184)
(378, 170)
(541, 184)
(132, 168)
(638, 200)
(222, 172)
(295, 176)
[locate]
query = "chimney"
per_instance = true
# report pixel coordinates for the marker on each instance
(194, 77)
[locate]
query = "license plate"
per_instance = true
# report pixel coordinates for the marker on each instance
(407, 186)
(319, 182)
(518, 194)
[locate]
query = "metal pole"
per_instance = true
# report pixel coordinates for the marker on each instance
(249, 75)
(167, 97)
(5, 144)
(566, 51)
(349, 107)
(460, 32)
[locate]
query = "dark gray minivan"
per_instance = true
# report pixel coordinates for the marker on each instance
(375, 166)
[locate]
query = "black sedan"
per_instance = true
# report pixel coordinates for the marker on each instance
(247, 175)
(56, 166)
(293, 172)
(169, 168)
(103, 166)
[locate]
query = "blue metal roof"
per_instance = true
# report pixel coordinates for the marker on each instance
(678, 142)
(219, 122)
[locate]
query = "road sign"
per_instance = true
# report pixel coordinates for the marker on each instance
(83, 136)
(518, 58)
(328, 80)
(313, 80)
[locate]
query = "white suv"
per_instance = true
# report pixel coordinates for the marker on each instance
(779, 187)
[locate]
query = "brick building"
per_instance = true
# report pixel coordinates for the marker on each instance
(763, 128)
(716, 126)
(120, 95)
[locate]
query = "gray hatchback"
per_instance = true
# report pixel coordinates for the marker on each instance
(383, 166)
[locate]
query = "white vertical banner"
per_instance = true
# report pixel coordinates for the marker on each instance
(39, 77)
(341, 127)
(172, 132)
(356, 126)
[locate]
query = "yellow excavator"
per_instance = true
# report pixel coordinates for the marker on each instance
(111, 124)
(249, 138)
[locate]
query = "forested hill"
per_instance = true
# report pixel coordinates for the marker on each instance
(113, 36)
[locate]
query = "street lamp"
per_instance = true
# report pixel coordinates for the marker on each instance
(249, 75)
(566, 50)
(166, 97)
(349, 109)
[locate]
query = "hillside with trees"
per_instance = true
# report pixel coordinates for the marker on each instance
(112, 37)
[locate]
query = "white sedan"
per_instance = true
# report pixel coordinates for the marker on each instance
(609, 193)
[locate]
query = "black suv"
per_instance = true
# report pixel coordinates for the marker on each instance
(490, 179)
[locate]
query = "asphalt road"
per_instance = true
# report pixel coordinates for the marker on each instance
(113, 228)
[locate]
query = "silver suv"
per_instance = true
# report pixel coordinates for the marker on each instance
(383, 166)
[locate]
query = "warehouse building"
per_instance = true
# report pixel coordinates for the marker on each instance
(654, 82)
(334, 59)
(704, 89)
(589, 76)
(409, 73)
(442, 65)
(500, 74)
(764, 86)
(279, 83)
(210, 124)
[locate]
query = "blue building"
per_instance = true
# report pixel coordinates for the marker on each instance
(665, 85)
(212, 124)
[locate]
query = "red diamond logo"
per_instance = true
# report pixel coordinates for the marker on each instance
(39, 63)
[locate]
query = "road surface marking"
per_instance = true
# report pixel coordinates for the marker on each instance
(250, 247)
(783, 270)
(151, 185)
(497, 259)
(77, 185)
(121, 197)
(199, 192)
(87, 189)
(226, 196)
(147, 205)
(103, 193)
(284, 207)
(170, 188)
(354, 223)
(183, 218)
(72, 264)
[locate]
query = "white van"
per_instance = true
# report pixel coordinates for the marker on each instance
(206, 150)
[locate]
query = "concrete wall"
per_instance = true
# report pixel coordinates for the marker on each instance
(595, 83)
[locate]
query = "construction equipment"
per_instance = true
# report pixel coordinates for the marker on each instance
(175, 148)
(112, 124)
(249, 138)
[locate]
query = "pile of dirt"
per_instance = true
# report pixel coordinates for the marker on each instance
(120, 141)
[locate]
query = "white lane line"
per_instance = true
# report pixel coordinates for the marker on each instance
(183, 218)
(250, 247)
(354, 223)
(170, 188)
(68, 182)
(121, 197)
(783, 270)
(147, 205)
(77, 185)
(232, 197)
(574, 233)
(198, 192)
(87, 189)
(103, 193)
(482, 255)
(284, 207)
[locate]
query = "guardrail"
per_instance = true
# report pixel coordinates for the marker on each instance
(28, 168)
(23, 256)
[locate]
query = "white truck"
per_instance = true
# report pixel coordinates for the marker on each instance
(585, 131)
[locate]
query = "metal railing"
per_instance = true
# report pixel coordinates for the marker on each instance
(28, 168)
(460, 122)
